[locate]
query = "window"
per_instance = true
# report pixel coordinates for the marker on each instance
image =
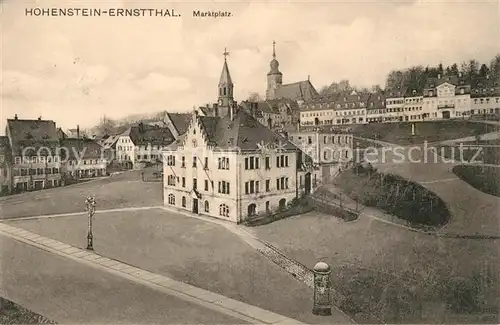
(286, 161)
(171, 199)
(194, 161)
(251, 163)
(268, 160)
(195, 183)
(268, 185)
(183, 162)
(183, 181)
(223, 163)
(206, 185)
(171, 180)
(223, 187)
(325, 139)
(171, 160)
(18, 160)
(223, 210)
(207, 206)
(282, 183)
(55, 170)
(206, 163)
(183, 201)
(309, 140)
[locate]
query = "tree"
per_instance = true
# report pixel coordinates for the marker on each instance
(105, 126)
(254, 97)
(495, 67)
(376, 89)
(454, 69)
(440, 69)
(469, 69)
(394, 79)
(484, 70)
(345, 86)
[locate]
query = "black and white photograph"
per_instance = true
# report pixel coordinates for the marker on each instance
(250, 162)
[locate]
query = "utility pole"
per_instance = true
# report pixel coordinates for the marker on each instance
(78, 149)
(90, 208)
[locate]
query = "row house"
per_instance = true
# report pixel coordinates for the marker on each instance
(34, 146)
(81, 158)
(485, 96)
(231, 166)
(375, 112)
(339, 109)
(394, 105)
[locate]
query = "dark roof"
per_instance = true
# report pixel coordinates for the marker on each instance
(399, 91)
(302, 90)
(148, 134)
(378, 100)
(86, 147)
(244, 132)
(110, 141)
(32, 133)
(483, 87)
(180, 121)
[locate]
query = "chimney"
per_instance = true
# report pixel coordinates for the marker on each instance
(216, 110)
(15, 117)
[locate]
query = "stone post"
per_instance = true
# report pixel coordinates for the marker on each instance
(322, 299)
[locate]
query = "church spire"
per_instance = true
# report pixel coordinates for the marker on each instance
(274, 76)
(274, 50)
(226, 100)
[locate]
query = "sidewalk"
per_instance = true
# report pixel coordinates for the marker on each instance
(215, 302)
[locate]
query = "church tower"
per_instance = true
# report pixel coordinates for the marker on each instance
(274, 77)
(226, 101)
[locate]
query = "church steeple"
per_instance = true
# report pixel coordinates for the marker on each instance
(226, 87)
(274, 77)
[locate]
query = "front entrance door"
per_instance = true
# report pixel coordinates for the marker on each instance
(308, 183)
(446, 114)
(195, 206)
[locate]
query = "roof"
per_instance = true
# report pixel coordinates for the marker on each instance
(244, 132)
(302, 90)
(32, 133)
(180, 121)
(86, 147)
(396, 92)
(482, 87)
(148, 134)
(225, 77)
(110, 141)
(5, 151)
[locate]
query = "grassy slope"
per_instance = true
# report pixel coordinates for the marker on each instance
(12, 313)
(484, 178)
(400, 133)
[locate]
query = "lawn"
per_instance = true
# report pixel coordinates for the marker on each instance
(400, 133)
(484, 178)
(125, 190)
(395, 275)
(12, 313)
(394, 195)
(200, 253)
(487, 151)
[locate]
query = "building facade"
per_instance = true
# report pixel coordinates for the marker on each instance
(231, 166)
(35, 155)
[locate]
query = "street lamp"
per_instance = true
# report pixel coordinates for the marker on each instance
(90, 208)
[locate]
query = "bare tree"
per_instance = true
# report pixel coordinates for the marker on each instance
(254, 97)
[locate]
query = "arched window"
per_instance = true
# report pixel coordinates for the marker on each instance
(183, 201)
(223, 210)
(171, 199)
(207, 206)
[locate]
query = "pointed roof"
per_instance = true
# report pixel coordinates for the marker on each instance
(302, 90)
(225, 77)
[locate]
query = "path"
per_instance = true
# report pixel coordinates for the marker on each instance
(193, 295)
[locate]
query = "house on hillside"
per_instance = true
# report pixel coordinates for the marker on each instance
(34, 150)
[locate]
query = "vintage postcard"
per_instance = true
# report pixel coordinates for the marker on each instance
(250, 162)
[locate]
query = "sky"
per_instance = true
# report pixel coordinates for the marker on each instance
(74, 70)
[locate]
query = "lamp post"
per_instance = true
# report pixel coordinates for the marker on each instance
(90, 208)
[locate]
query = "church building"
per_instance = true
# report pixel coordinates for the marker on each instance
(300, 91)
(229, 166)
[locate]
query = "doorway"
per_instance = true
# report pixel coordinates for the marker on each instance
(195, 206)
(446, 114)
(308, 183)
(252, 210)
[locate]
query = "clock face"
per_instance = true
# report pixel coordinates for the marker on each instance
(194, 142)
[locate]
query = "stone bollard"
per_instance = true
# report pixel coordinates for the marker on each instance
(322, 300)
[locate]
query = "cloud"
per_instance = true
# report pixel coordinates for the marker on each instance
(74, 69)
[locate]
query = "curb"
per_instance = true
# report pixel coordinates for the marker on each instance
(184, 291)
